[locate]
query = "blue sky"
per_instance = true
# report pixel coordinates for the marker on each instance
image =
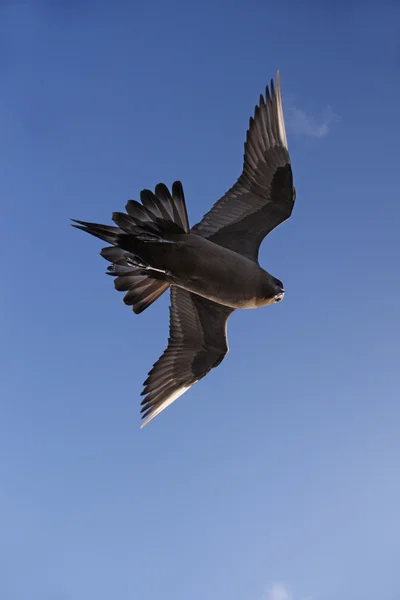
(276, 477)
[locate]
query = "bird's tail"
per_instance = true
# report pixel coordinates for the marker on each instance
(159, 214)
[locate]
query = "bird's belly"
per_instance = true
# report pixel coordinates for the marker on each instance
(220, 296)
(228, 284)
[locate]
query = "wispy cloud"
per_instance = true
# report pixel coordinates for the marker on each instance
(299, 122)
(279, 591)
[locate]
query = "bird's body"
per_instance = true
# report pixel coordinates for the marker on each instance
(197, 265)
(211, 269)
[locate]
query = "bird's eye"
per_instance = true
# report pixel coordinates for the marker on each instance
(279, 299)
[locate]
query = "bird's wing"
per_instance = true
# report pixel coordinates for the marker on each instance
(263, 196)
(197, 343)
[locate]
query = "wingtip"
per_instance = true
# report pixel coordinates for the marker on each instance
(147, 421)
(279, 108)
(278, 83)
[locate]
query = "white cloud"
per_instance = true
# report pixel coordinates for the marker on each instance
(301, 123)
(278, 591)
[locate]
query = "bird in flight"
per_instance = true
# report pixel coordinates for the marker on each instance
(212, 268)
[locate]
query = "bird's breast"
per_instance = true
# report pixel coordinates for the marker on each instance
(217, 273)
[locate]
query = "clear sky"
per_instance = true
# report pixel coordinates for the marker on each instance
(277, 476)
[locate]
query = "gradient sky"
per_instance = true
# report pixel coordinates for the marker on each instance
(277, 476)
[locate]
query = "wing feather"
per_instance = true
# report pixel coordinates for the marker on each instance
(263, 196)
(197, 343)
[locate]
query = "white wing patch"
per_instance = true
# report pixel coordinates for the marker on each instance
(174, 396)
(281, 120)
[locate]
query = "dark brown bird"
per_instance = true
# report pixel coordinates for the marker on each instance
(211, 269)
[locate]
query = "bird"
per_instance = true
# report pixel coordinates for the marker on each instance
(212, 268)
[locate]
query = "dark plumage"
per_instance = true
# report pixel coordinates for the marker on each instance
(212, 269)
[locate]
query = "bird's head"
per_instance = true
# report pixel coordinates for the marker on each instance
(272, 290)
(279, 290)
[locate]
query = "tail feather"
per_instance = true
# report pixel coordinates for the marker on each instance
(154, 230)
(167, 206)
(179, 205)
(159, 214)
(143, 295)
(107, 233)
(154, 205)
(138, 212)
(131, 277)
(116, 255)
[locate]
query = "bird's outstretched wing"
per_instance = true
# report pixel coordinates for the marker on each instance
(197, 343)
(263, 196)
